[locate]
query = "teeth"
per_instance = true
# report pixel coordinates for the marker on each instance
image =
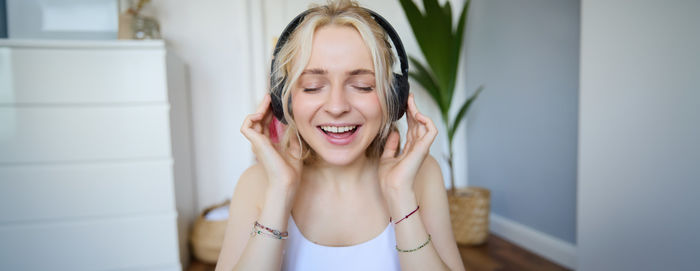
(338, 129)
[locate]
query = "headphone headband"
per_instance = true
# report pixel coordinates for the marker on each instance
(401, 80)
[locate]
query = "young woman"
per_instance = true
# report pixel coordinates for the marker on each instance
(337, 192)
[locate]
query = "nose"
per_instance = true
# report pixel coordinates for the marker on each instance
(337, 102)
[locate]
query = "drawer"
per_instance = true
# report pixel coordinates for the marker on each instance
(48, 75)
(137, 243)
(82, 133)
(85, 190)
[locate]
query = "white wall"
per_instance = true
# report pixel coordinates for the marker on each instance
(210, 37)
(639, 148)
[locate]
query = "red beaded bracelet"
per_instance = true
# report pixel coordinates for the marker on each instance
(397, 222)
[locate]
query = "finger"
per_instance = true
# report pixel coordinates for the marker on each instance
(264, 104)
(257, 122)
(411, 112)
(422, 132)
(421, 125)
(391, 146)
(430, 130)
(252, 130)
(415, 128)
(249, 121)
(408, 146)
(247, 129)
(266, 122)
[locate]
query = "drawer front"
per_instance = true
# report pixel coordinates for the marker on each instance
(58, 134)
(85, 190)
(39, 75)
(106, 244)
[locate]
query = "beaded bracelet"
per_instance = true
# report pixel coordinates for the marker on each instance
(273, 231)
(259, 232)
(412, 250)
(258, 229)
(409, 214)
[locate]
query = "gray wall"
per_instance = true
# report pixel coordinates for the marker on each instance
(639, 163)
(522, 131)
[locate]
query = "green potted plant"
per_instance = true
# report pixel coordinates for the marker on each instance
(441, 45)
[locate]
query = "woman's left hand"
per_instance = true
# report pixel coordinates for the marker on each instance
(398, 172)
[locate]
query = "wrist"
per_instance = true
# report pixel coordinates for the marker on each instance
(401, 203)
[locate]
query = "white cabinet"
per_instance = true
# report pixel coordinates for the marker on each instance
(88, 175)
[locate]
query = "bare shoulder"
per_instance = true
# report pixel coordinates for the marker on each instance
(429, 175)
(252, 183)
(254, 174)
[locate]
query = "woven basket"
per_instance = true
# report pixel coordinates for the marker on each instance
(208, 236)
(469, 212)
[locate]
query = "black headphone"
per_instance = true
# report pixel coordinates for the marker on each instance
(400, 84)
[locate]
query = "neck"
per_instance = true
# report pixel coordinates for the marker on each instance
(341, 178)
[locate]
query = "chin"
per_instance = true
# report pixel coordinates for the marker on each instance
(340, 157)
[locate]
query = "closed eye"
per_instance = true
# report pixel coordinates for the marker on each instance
(364, 88)
(311, 89)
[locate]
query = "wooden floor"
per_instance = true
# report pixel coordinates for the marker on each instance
(499, 254)
(495, 254)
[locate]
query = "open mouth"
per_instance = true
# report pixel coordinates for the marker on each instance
(340, 135)
(338, 130)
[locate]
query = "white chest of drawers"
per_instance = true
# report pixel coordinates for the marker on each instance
(88, 176)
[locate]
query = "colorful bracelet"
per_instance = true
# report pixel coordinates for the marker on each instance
(397, 222)
(260, 232)
(412, 250)
(275, 232)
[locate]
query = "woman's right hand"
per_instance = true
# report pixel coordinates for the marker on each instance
(283, 168)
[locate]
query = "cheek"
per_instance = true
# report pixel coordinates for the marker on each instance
(302, 107)
(370, 107)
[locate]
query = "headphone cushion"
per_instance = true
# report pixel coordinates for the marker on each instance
(401, 89)
(276, 103)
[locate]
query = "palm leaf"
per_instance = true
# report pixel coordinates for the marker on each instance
(441, 46)
(415, 18)
(456, 48)
(427, 81)
(435, 40)
(462, 112)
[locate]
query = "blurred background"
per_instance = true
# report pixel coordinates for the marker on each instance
(119, 128)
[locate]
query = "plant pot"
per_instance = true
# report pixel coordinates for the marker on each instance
(469, 213)
(207, 236)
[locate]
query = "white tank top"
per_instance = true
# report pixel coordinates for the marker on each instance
(376, 254)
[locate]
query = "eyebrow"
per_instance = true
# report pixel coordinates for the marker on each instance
(353, 72)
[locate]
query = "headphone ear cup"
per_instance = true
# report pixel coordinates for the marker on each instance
(401, 89)
(276, 102)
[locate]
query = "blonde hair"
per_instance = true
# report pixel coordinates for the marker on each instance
(294, 55)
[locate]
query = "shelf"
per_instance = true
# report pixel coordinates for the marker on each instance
(84, 44)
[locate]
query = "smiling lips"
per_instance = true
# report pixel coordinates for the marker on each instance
(339, 135)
